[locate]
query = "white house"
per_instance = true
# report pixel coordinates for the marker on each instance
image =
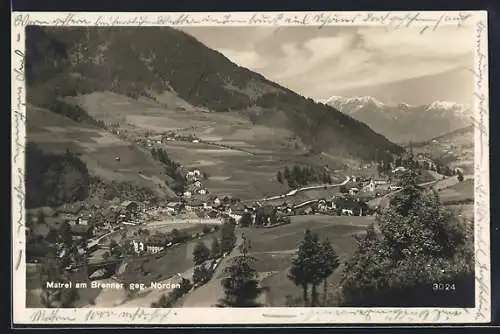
(197, 184)
(353, 191)
(197, 173)
(196, 141)
(82, 221)
(138, 246)
(322, 206)
(187, 194)
(153, 249)
(374, 183)
(217, 202)
(347, 212)
(399, 169)
(189, 174)
(202, 191)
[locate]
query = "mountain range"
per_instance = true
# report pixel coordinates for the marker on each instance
(402, 123)
(149, 61)
(165, 76)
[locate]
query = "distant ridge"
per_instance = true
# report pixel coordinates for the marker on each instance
(403, 122)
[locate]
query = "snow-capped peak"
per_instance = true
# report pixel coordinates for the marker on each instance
(447, 106)
(358, 100)
(442, 105)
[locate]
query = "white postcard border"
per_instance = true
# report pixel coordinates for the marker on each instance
(195, 316)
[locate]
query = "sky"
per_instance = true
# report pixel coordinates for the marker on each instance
(394, 66)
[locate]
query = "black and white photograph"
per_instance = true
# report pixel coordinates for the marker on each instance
(251, 166)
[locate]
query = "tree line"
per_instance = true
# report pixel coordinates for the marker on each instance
(266, 215)
(124, 190)
(298, 176)
(408, 160)
(54, 179)
(172, 169)
(219, 246)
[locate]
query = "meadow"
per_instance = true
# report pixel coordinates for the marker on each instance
(458, 192)
(105, 155)
(274, 248)
(241, 158)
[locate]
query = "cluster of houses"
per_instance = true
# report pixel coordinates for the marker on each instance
(194, 185)
(373, 185)
(140, 248)
(150, 140)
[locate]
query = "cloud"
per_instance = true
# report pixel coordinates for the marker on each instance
(249, 59)
(320, 62)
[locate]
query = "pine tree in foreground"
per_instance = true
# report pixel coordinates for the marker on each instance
(417, 242)
(312, 265)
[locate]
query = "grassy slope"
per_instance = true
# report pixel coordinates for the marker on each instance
(97, 148)
(248, 170)
(455, 148)
(136, 62)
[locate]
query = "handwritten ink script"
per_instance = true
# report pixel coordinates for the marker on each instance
(398, 315)
(480, 72)
(19, 103)
(396, 20)
(19, 121)
(98, 316)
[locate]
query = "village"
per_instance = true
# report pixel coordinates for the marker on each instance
(101, 226)
(109, 234)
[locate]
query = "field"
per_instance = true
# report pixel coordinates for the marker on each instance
(458, 192)
(242, 159)
(273, 248)
(97, 148)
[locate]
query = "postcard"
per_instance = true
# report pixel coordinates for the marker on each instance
(250, 168)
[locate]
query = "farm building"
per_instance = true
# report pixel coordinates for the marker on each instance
(153, 249)
(374, 184)
(399, 169)
(353, 191)
(324, 205)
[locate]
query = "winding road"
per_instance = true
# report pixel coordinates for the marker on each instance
(298, 190)
(447, 182)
